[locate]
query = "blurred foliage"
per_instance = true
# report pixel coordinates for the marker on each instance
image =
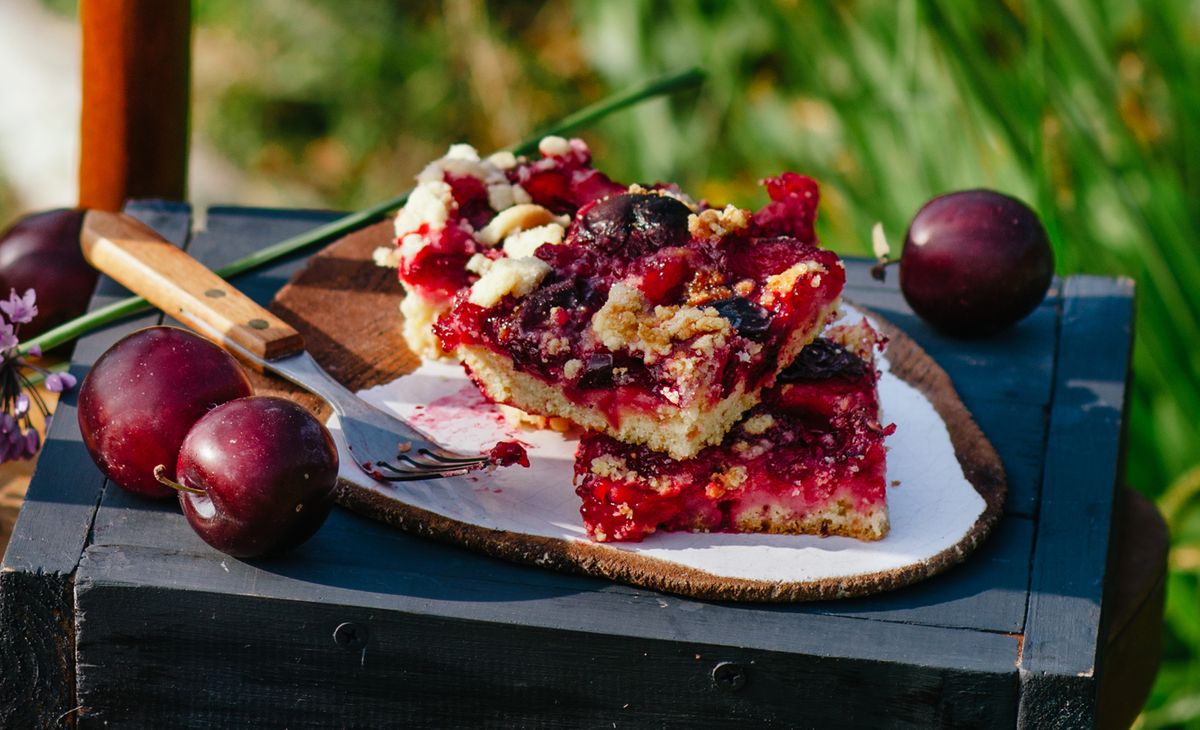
(1087, 110)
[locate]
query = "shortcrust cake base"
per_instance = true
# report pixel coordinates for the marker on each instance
(680, 432)
(838, 517)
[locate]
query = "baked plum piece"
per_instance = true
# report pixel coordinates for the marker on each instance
(654, 321)
(809, 459)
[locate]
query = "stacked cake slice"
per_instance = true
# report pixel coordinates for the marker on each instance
(661, 327)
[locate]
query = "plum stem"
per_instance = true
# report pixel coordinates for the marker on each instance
(662, 86)
(158, 474)
(879, 270)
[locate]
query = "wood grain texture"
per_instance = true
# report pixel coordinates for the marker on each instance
(222, 660)
(328, 293)
(37, 628)
(37, 649)
(1059, 662)
(133, 254)
(136, 83)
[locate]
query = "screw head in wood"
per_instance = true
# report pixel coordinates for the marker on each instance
(729, 676)
(350, 635)
(258, 324)
(214, 293)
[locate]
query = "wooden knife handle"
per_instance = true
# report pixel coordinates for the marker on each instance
(137, 257)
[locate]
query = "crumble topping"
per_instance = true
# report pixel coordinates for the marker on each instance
(572, 368)
(525, 243)
(725, 481)
(479, 264)
(713, 223)
(387, 257)
(758, 425)
(744, 288)
(617, 469)
(780, 285)
(428, 205)
(503, 160)
(626, 321)
(555, 345)
(750, 450)
(553, 146)
(666, 192)
(508, 276)
(707, 285)
(518, 218)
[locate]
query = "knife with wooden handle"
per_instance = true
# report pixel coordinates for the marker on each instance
(130, 252)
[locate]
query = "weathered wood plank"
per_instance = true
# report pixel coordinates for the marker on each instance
(154, 651)
(1059, 663)
(365, 559)
(37, 672)
(37, 651)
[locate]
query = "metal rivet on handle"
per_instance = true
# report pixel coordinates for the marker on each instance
(729, 676)
(214, 293)
(350, 636)
(258, 324)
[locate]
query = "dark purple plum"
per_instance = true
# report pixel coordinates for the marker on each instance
(748, 319)
(975, 262)
(144, 393)
(265, 470)
(634, 225)
(41, 252)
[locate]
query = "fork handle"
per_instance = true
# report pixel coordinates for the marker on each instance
(137, 257)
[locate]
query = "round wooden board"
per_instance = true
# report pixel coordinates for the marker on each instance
(347, 308)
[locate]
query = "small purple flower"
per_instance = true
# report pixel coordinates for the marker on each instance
(59, 382)
(16, 445)
(19, 438)
(33, 441)
(10, 433)
(20, 309)
(7, 337)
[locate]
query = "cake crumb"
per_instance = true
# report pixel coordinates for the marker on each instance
(572, 367)
(518, 218)
(554, 146)
(507, 276)
(713, 223)
(479, 264)
(525, 243)
(626, 321)
(387, 256)
(780, 285)
(758, 425)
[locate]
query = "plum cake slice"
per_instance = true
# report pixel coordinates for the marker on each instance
(654, 321)
(809, 459)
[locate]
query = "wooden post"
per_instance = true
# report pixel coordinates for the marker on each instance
(134, 125)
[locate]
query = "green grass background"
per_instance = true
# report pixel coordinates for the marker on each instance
(1087, 110)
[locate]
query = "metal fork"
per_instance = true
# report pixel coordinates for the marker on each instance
(386, 448)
